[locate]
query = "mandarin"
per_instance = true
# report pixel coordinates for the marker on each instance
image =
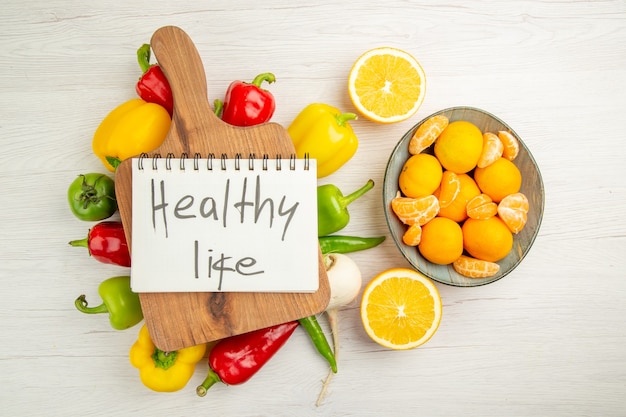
(488, 240)
(499, 179)
(459, 146)
(420, 175)
(441, 241)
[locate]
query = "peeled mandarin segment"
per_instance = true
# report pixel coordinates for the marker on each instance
(511, 145)
(415, 210)
(449, 188)
(427, 133)
(514, 220)
(492, 150)
(475, 268)
(516, 201)
(481, 207)
(400, 309)
(456, 210)
(513, 210)
(413, 235)
(387, 85)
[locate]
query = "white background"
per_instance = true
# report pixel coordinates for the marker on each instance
(546, 340)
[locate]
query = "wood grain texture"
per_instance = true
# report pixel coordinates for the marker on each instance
(547, 340)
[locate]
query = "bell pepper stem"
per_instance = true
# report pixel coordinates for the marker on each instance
(143, 57)
(80, 242)
(163, 359)
(82, 305)
(114, 161)
(343, 118)
(218, 107)
(266, 76)
(356, 194)
(208, 382)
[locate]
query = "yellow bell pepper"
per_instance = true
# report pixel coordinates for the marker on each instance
(324, 133)
(164, 371)
(130, 129)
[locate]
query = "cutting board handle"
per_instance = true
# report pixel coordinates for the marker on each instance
(181, 63)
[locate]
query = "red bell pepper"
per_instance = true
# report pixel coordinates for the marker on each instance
(236, 359)
(247, 104)
(153, 86)
(106, 242)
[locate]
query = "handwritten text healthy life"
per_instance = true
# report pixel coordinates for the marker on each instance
(226, 229)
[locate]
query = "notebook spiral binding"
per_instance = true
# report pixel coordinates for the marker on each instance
(213, 162)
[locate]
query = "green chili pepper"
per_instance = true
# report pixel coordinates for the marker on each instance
(332, 207)
(118, 300)
(347, 244)
(313, 328)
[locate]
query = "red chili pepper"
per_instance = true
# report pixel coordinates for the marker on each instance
(247, 104)
(106, 242)
(236, 359)
(153, 86)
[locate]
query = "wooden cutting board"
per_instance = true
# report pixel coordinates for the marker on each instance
(177, 320)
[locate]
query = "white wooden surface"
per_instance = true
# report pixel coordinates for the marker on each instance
(546, 340)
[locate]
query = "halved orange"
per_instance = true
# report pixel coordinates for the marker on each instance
(475, 268)
(426, 134)
(415, 210)
(401, 308)
(387, 85)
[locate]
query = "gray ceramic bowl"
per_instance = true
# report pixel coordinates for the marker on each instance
(532, 187)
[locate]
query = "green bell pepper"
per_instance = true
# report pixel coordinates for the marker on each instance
(118, 300)
(92, 197)
(332, 207)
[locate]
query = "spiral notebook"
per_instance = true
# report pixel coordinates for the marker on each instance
(218, 224)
